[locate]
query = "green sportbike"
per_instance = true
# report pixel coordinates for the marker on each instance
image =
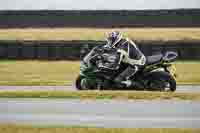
(97, 72)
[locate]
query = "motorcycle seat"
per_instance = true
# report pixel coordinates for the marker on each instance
(153, 59)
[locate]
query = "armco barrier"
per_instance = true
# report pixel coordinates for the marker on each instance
(100, 18)
(28, 51)
(74, 50)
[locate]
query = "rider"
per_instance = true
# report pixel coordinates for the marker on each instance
(129, 54)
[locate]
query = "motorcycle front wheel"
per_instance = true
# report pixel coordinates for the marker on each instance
(83, 83)
(78, 82)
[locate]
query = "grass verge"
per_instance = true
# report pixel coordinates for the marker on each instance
(139, 34)
(121, 95)
(32, 129)
(33, 72)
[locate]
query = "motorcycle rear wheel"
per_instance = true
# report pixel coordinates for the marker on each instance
(162, 81)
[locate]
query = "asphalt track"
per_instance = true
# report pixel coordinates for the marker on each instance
(101, 113)
(180, 88)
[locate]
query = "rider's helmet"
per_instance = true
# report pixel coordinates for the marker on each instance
(113, 38)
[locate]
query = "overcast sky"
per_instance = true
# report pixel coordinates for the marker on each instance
(96, 4)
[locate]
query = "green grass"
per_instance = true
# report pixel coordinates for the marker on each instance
(131, 95)
(33, 72)
(139, 34)
(64, 129)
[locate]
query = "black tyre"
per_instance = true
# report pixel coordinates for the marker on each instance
(78, 82)
(83, 84)
(161, 81)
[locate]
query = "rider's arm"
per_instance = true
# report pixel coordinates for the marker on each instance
(91, 56)
(122, 53)
(136, 47)
(131, 53)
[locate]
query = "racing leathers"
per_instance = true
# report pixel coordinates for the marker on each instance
(127, 52)
(131, 55)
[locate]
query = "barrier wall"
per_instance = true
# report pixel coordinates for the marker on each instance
(101, 18)
(74, 50)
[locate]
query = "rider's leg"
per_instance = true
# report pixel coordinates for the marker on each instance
(123, 78)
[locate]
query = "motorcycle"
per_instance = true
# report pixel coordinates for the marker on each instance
(158, 74)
